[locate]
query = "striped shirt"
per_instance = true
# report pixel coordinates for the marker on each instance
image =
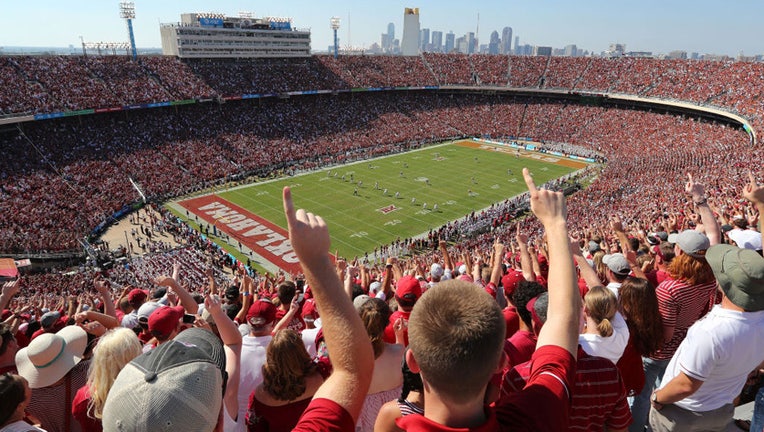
(599, 396)
(680, 305)
(49, 404)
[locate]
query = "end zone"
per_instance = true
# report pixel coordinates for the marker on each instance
(263, 237)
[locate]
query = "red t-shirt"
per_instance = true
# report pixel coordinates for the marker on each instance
(389, 335)
(325, 415)
(599, 398)
(297, 324)
(267, 418)
(512, 319)
(80, 411)
(540, 407)
(520, 347)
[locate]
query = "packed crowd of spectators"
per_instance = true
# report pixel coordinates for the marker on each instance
(61, 178)
(594, 314)
(76, 174)
(61, 83)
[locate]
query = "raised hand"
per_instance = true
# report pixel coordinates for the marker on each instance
(308, 232)
(696, 190)
(753, 192)
(548, 206)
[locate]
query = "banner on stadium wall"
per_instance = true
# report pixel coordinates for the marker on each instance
(157, 104)
(183, 102)
(211, 22)
(78, 112)
(23, 263)
(48, 116)
(105, 110)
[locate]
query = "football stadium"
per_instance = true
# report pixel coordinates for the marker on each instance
(472, 203)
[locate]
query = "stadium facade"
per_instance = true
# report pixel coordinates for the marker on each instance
(207, 35)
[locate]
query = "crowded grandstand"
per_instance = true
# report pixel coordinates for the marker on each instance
(89, 141)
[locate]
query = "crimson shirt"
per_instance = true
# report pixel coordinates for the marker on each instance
(599, 398)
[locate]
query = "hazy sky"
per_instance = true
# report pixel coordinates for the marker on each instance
(660, 26)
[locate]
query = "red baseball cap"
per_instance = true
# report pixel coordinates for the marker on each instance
(309, 308)
(407, 290)
(137, 295)
(261, 312)
(165, 319)
(530, 308)
(510, 281)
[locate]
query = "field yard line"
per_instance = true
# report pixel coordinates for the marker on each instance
(325, 167)
(349, 245)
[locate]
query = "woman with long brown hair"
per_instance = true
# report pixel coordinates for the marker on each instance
(639, 306)
(290, 379)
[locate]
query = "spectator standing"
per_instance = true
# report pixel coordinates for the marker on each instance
(710, 367)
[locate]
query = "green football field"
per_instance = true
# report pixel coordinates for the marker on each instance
(458, 177)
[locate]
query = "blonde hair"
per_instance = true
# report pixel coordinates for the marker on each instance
(115, 349)
(601, 305)
(600, 266)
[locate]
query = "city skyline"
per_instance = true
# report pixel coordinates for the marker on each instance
(659, 27)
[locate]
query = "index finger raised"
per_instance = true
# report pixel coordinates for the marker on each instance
(529, 180)
(752, 178)
(288, 205)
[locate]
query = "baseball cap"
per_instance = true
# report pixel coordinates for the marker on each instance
(530, 307)
(176, 386)
(436, 270)
(693, 243)
(746, 239)
(309, 309)
(740, 274)
(137, 295)
(407, 290)
(375, 287)
(48, 319)
(617, 263)
(594, 246)
(165, 319)
(207, 341)
(145, 311)
(261, 312)
(359, 301)
(510, 281)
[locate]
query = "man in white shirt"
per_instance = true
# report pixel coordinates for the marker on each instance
(710, 366)
(261, 318)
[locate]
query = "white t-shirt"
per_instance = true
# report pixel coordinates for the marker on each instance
(720, 349)
(309, 337)
(610, 347)
(252, 361)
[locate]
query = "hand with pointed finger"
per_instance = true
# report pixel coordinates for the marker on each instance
(308, 233)
(548, 206)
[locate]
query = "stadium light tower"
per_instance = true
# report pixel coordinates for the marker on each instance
(127, 12)
(334, 22)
